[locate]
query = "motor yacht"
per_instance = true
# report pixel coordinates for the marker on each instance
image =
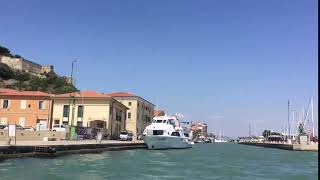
(165, 132)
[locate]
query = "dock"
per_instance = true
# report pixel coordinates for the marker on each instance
(59, 148)
(291, 147)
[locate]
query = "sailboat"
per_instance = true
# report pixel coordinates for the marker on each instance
(220, 139)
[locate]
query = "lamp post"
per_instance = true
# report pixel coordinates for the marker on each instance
(73, 101)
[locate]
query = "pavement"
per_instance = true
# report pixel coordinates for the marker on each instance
(75, 142)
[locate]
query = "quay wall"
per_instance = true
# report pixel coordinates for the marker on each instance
(270, 145)
(7, 152)
(292, 147)
(22, 135)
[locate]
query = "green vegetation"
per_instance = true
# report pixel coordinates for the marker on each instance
(13, 79)
(51, 83)
(268, 132)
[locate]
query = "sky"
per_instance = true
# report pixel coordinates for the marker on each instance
(225, 63)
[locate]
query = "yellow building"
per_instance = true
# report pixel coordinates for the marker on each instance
(90, 109)
(139, 114)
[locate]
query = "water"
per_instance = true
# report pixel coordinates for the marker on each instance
(203, 161)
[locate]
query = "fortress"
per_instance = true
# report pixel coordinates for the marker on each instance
(19, 63)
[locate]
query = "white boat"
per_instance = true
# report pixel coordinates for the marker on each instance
(165, 132)
(219, 140)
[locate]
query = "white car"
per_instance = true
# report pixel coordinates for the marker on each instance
(59, 128)
(29, 128)
(125, 136)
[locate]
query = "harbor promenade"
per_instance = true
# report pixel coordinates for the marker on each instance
(59, 148)
(285, 146)
(66, 142)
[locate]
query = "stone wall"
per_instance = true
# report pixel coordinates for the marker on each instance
(46, 69)
(14, 63)
(33, 135)
(32, 67)
(25, 65)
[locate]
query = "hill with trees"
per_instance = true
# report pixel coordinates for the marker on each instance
(19, 80)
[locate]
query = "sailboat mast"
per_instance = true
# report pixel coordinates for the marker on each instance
(289, 119)
(312, 117)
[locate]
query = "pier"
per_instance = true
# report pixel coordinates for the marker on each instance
(59, 148)
(292, 147)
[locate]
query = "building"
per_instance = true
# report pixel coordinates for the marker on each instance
(140, 113)
(21, 64)
(26, 108)
(158, 113)
(200, 128)
(90, 109)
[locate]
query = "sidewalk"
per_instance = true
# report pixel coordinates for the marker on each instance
(75, 142)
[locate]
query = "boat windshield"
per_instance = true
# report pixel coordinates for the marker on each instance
(171, 121)
(164, 121)
(159, 121)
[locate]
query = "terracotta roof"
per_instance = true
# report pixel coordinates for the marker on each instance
(87, 94)
(12, 92)
(121, 94)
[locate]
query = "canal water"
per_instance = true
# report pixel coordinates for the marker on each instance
(203, 161)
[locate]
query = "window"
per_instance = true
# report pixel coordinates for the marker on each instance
(79, 124)
(80, 111)
(3, 121)
(129, 115)
(129, 103)
(42, 105)
(66, 111)
(175, 134)
(164, 121)
(23, 104)
(171, 121)
(157, 132)
(5, 104)
(56, 121)
(159, 121)
(22, 121)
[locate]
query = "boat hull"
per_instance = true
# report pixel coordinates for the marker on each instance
(167, 142)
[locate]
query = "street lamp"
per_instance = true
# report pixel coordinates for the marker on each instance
(73, 100)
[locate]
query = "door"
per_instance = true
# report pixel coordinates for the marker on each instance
(42, 125)
(22, 121)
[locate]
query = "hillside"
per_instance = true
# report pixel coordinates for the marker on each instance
(15, 79)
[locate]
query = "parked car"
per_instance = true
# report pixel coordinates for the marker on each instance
(18, 127)
(3, 126)
(125, 136)
(59, 128)
(30, 128)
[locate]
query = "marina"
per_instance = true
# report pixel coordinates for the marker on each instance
(159, 90)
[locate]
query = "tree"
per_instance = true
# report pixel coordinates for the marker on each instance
(5, 72)
(266, 133)
(5, 51)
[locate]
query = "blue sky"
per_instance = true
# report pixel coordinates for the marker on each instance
(227, 63)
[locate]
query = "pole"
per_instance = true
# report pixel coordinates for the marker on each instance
(312, 118)
(72, 110)
(289, 119)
